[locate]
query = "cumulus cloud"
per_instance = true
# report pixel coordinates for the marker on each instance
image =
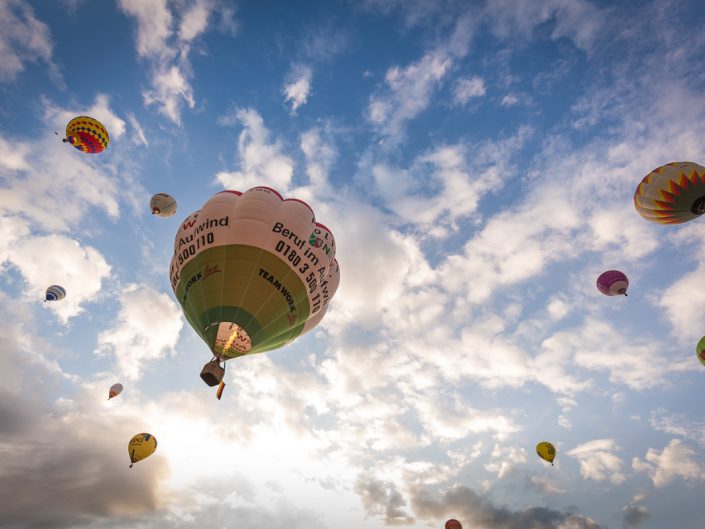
(467, 88)
(49, 482)
(468, 507)
(164, 38)
(53, 259)
(598, 460)
(298, 88)
(634, 513)
(147, 328)
(408, 90)
(676, 460)
(23, 38)
(577, 20)
(446, 184)
(261, 162)
(71, 184)
(383, 499)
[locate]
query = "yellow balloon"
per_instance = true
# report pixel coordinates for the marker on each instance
(140, 447)
(546, 451)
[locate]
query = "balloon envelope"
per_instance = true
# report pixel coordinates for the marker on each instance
(253, 271)
(114, 391)
(163, 205)
(140, 447)
(613, 283)
(546, 451)
(55, 293)
(700, 350)
(672, 194)
(453, 524)
(87, 135)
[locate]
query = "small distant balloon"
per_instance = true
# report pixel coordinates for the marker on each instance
(140, 447)
(55, 293)
(613, 283)
(700, 350)
(453, 524)
(114, 391)
(163, 205)
(546, 451)
(87, 135)
(672, 194)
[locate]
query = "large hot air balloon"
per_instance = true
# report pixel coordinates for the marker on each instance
(546, 451)
(114, 390)
(162, 205)
(87, 135)
(700, 350)
(672, 194)
(613, 283)
(252, 272)
(140, 447)
(453, 524)
(55, 293)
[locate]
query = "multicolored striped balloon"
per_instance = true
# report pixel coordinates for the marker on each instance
(613, 283)
(253, 271)
(672, 194)
(87, 135)
(55, 293)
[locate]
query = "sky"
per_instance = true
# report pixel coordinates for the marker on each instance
(476, 162)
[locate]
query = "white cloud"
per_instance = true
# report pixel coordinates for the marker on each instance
(261, 162)
(676, 460)
(598, 461)
(147, 328)
(53, 259)
(298, 88)
(409, 93)
(684, 304)
(23, 38)
(408, 90)
(171, 89)
(33, 412)
(154, 25)
(467, 88)
(446, 183)
(194, 20)
(577, 20)
(138, 136)
(166, 45)
(510, 100)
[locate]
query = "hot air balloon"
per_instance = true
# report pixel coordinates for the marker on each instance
(453, 524)
(252, 272)
(672, 194)
(612, 283)
(87, 135)
(140, 447)
(546, 451)
(114, 391)
(700, 350)
(162, 205)
(55, 293)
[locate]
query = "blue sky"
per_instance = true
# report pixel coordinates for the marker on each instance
(476, 162)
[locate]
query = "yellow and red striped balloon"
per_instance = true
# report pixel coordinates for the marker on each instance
(87, 135)
(672, 194)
